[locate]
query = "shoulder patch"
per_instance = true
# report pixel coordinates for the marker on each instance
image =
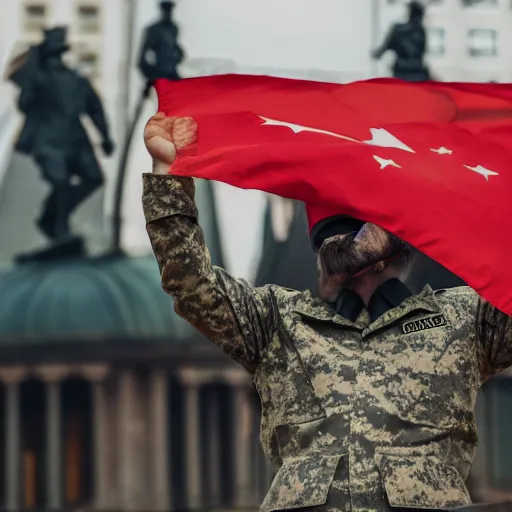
(423, 324)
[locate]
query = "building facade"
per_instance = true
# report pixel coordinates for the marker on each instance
(110, 401)
(122, 408)
(148, 437)
(468, 40)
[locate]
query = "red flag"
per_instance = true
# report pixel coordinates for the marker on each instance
(430, 162)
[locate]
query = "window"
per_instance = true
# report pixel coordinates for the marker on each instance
(35, 17)
(436, 41)
(88, 19)
(88, 64)
(406, 2)
(480, 3)
(483, 42)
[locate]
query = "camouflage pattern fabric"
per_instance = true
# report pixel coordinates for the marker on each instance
(358, 416)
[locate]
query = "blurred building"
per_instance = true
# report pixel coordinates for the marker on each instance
(88, 35)
(97, 34)
(468, 40)
(110, 401)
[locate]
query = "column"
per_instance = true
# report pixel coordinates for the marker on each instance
(52, 376)
(128, 431)
(214, 456)
(281, 217)
(96, 375)
(192, 380)
(12, 378)
(259, 461)
(268, 473)
(159, 440)
(242, 415)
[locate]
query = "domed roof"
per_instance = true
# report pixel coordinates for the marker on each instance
(115, 298)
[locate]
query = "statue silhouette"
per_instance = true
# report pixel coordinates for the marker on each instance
(408, 41)
(53, 97)
(160, 53)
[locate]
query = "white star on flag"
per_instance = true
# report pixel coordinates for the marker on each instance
(384, 139)
(385, 163)
(380, 136)
(442, 151)
(483, 171)
(297, 128)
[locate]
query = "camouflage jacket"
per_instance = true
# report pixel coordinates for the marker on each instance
(357, 415)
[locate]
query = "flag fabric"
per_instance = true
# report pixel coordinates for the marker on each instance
(430, 162)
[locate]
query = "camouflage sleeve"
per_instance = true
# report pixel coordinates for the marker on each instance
(494, 335)
(236, 316)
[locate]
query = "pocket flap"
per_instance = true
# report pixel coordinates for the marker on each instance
(421, 481)
(301, 482)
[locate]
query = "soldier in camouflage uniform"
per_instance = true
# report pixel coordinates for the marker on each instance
(367, 400)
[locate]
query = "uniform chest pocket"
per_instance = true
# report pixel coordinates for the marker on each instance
(301, 482)
(431, 371)
(421, 481)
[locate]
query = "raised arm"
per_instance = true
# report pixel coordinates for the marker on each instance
(148, 44)
(386, 45)
(94, 110)
(237, 317)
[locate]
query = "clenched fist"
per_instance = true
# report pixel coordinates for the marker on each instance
(165, 136)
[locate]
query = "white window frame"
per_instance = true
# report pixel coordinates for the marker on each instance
(33, 25)
(475, 4)
(475, 51)
(440, 50)
(88, 27)
(95, 71)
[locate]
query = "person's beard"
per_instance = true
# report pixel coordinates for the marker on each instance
(343, 257)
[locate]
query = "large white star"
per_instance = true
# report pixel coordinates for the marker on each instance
(442, 151)
(297, 128)
(482, 170)
(385, 163)
(380, 137)
(384, 139)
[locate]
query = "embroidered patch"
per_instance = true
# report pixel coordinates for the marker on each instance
(425, 323)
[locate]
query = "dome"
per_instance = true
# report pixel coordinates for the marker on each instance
(116, 298)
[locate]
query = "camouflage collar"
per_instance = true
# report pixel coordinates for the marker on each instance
(424, 301)
(317, 309)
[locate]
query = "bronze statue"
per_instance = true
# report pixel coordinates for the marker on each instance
(160, 56)
(161, 53)
(53, 97)
(408, 41)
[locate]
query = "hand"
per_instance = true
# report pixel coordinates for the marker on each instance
(108, 147)
(164, 136)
